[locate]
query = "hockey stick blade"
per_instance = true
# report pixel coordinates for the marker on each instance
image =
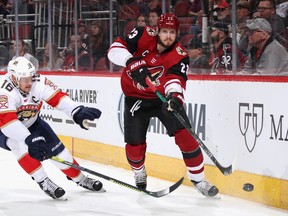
(224, 170)
(156, 194)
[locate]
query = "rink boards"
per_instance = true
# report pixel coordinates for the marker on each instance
(238, 118)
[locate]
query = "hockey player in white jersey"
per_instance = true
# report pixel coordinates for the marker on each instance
(31, 139)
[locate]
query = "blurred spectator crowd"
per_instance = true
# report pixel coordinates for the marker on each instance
(67, 37)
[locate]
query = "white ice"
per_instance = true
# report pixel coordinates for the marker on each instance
(21, 196)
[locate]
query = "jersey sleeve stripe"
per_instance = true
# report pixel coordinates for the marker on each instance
(56, 98)
(7, 118)
(173, 85)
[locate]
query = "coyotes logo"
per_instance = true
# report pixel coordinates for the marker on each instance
(180, 51)
(156, 73)
(151, 31)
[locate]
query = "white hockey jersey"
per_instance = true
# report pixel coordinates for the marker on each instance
(18, 112)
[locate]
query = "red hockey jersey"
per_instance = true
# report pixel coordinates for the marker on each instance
(172, 64)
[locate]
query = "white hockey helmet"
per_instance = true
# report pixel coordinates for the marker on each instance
(21, 67)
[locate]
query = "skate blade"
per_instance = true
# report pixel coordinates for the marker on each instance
(63, 198)
(216, 197)
(102, 190)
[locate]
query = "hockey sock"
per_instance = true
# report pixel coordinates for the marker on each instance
(73, 173)
(136, 155)
(33, 167)
(192, 154)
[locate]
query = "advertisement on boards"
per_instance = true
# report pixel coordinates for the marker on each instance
(245, 122)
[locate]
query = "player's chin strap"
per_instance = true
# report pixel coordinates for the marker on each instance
(225, 170)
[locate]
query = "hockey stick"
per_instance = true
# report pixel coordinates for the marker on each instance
(225, 170)
(156, 194)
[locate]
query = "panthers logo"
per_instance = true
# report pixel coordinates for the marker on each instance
(26, 112)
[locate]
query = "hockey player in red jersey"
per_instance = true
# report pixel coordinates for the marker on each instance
(158, 55)
(31, 139)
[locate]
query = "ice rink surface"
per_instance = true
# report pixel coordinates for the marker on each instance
(21, 196)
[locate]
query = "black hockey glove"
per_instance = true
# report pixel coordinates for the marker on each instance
(138, 69)
(81, 114)
(175, 102)
(38, 148)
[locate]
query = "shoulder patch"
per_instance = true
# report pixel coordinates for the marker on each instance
(3, 102)
(51, 84)
(226, 46)
(151, 31)
(180, 51)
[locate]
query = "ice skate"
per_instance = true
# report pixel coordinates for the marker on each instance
(206, 188)
(51, 189)
(91, 184)
(140, 178)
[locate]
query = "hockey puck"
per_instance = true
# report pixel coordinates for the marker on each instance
(248, 187)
